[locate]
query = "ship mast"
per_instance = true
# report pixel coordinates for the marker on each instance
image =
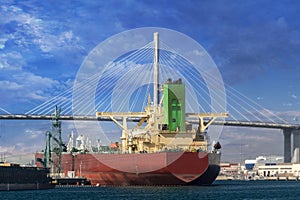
(156, 72)
(155, 82)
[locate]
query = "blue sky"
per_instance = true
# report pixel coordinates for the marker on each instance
(255, 44)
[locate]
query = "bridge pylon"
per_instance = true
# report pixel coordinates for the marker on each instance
(291, 152)
(296, 146)
(287, 133)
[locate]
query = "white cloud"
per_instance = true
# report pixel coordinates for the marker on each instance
(32, 134)
(259, 98)
(26, 86)
(240, 143)
(287, 104)
(2, 43)
(288, 113)
(20, 153)
(282, 22)
(35, 96)
(12, 61)
(8, 85)
(199, 53)
(267, 115)
(119, 26)
(34, 81)
(5, 149)
(36, 87)
(31, 30)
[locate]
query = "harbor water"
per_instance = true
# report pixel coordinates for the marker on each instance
(247, 190)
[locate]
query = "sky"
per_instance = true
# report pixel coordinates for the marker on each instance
(255, 45)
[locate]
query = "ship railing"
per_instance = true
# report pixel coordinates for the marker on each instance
(158, 151)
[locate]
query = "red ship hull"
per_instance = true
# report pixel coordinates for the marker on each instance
(164, 168)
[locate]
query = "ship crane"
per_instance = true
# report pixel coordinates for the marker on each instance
(202, 116)
(115, 116)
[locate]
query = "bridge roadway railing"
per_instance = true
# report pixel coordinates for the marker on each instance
(193, 121)
(61, 117)
(253, 124)
(48, 117)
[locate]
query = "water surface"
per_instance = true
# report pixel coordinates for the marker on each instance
(220, 190)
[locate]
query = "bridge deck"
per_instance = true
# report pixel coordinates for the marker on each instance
(94, 118)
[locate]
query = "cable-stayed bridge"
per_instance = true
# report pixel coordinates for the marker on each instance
(125, 84)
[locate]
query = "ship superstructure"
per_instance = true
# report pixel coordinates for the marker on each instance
(165, 118)
(166, 126)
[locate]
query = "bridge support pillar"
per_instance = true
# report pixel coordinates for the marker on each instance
(296, 145)
(287, 145)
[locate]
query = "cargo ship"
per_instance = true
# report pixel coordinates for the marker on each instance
(17, 177)
(163, 148)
